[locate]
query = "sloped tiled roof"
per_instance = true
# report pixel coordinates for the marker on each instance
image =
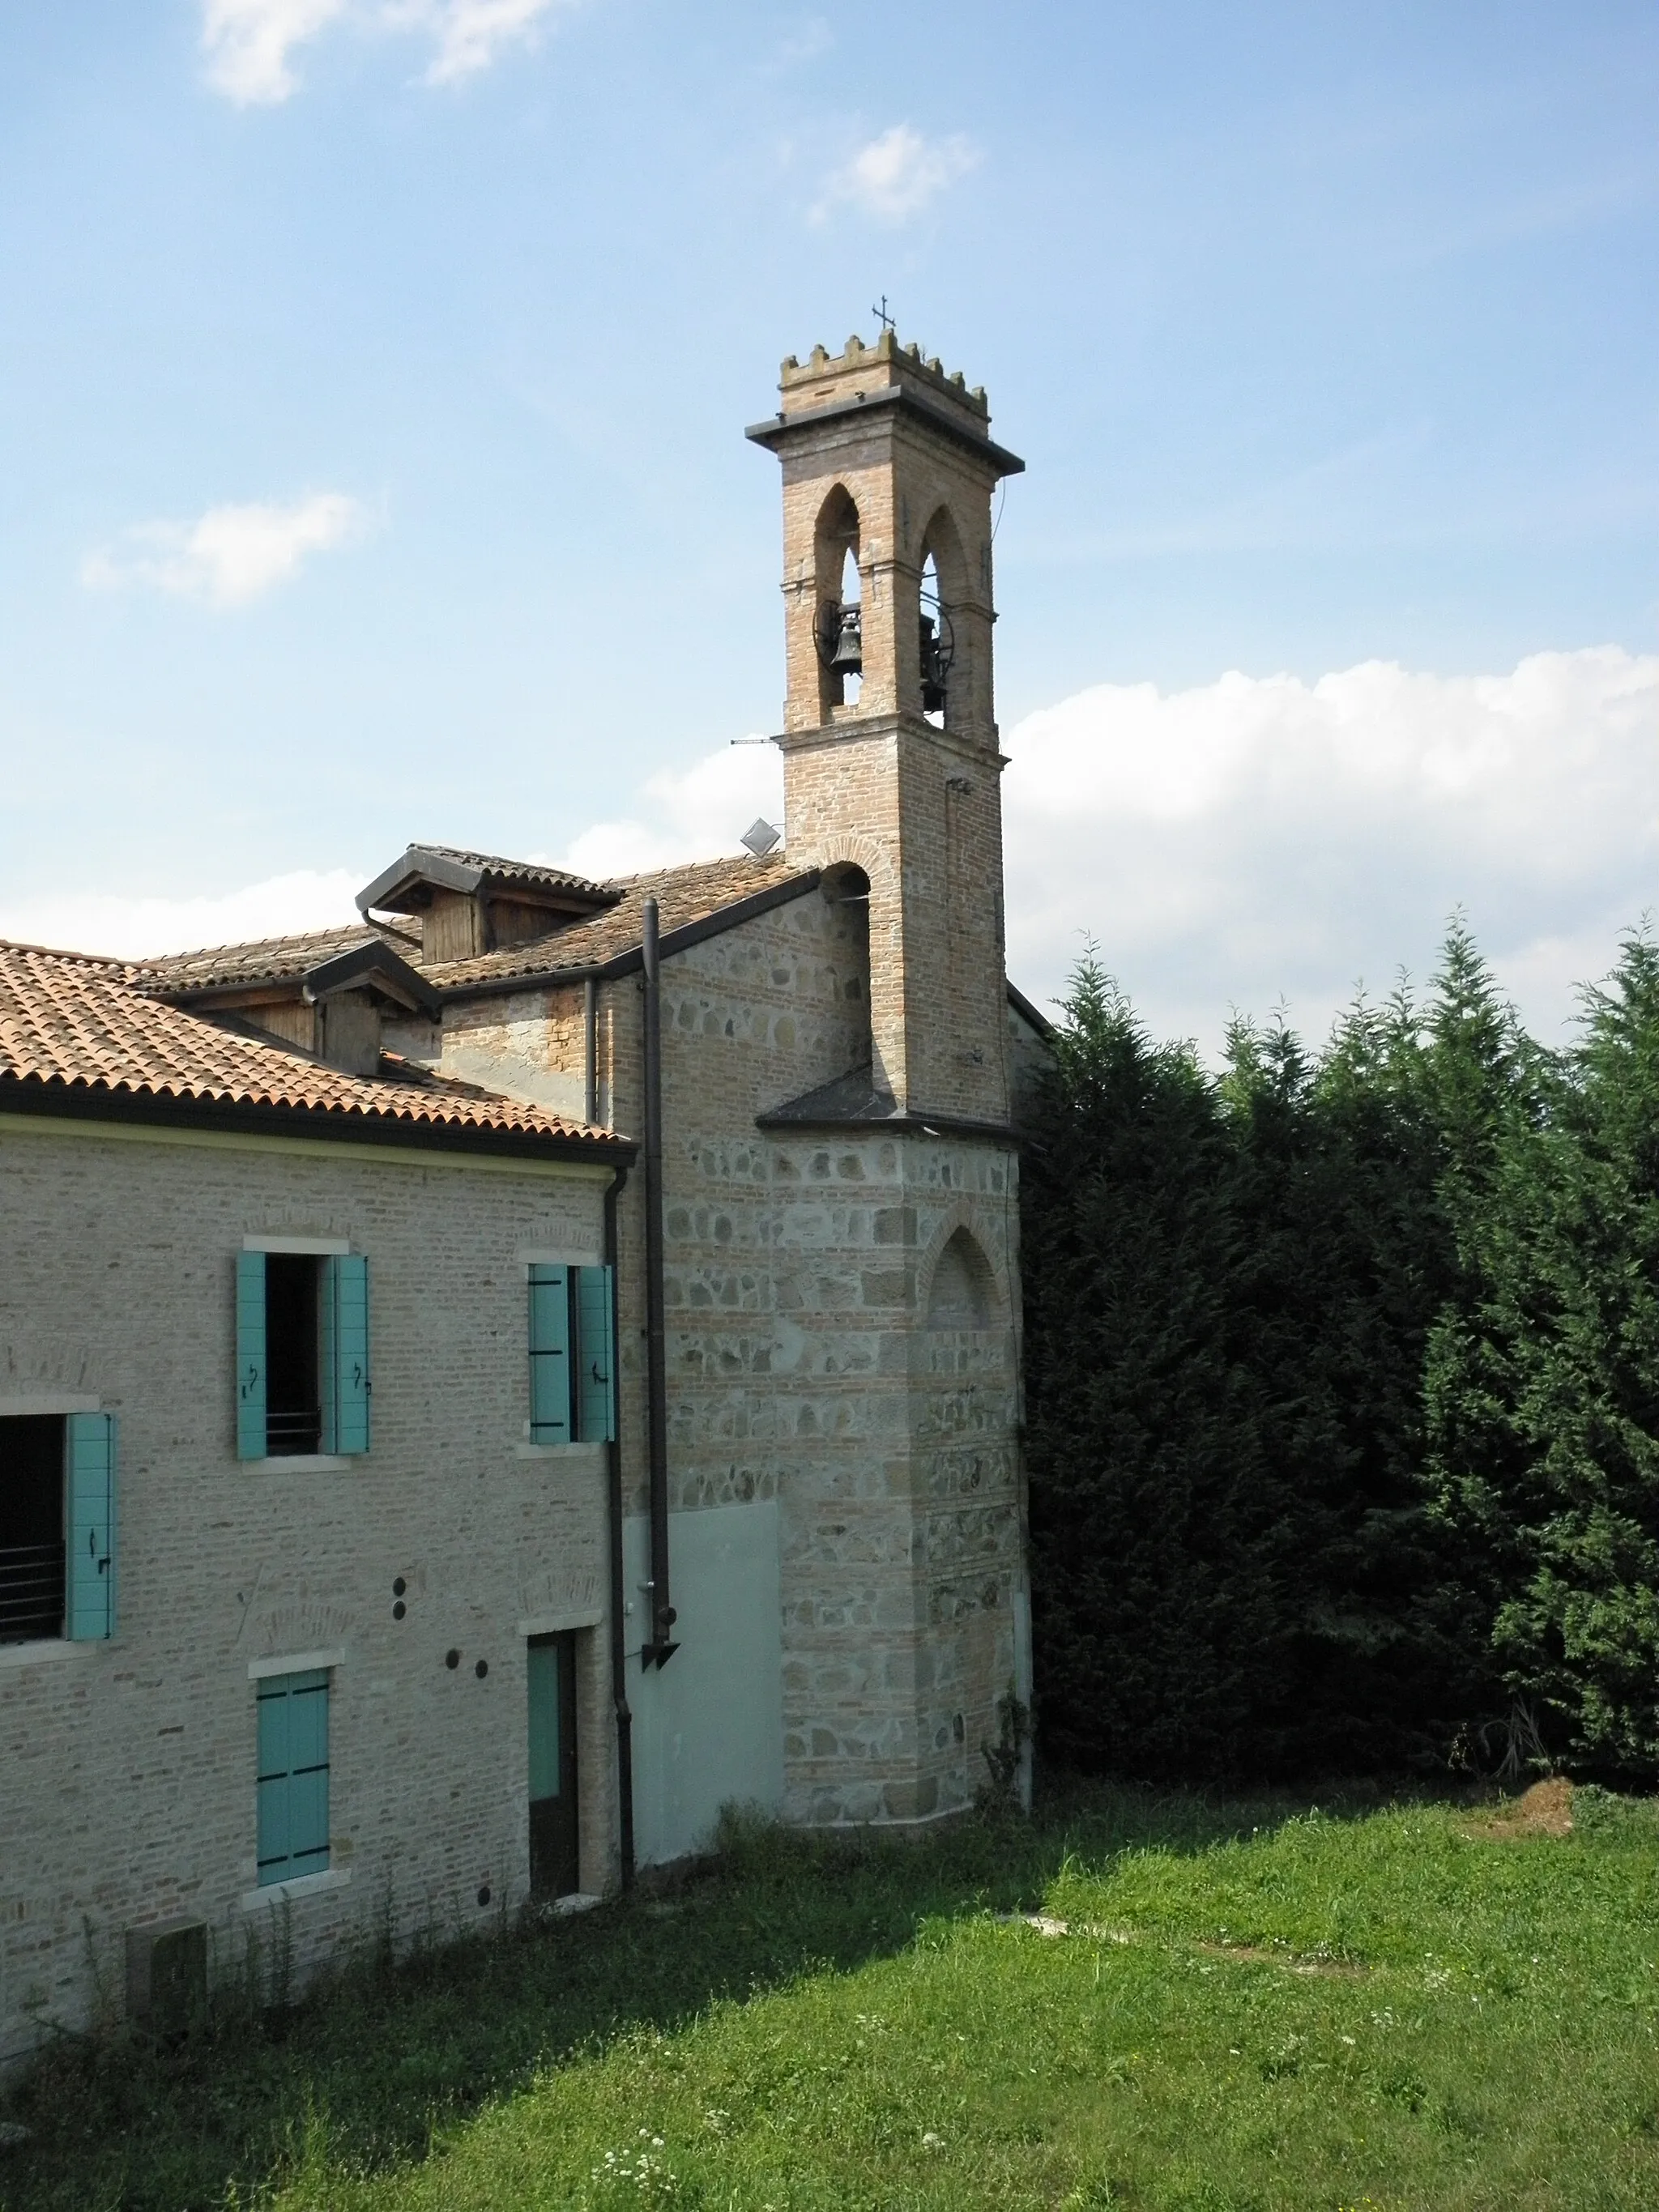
(684, 895)
(407, 884)
(268, 959)
(530, 873)
(72, 1023)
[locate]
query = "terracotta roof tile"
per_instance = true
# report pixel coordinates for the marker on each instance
(270, 959)
(536, 872)
(68, 1021)
(683, 895)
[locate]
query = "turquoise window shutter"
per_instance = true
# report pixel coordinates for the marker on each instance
(328, 1355)
(251, 1355)
(549, 1355)
(346, 1387)
(89, 1448)
(596, 1341)
(308, 1804)
(293, 1776)
(272, 1780)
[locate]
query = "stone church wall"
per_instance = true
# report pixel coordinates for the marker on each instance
(804, 1379)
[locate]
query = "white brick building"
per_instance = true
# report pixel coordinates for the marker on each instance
(303, 1566)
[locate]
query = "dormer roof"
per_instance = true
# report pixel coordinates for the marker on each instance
(372, 966)
(226, 968)
(407, 886)
(316, 965)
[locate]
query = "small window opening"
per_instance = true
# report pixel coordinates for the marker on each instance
(839, 628)
(294, 1415)
(31, 1527)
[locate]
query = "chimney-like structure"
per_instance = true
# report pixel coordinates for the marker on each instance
(889, 738)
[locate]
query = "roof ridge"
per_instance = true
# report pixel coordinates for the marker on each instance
(713, 860)
(362, 926)
(68, 953)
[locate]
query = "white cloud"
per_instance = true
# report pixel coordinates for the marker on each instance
(695, 813)
(1257, 838)
(1246, 841)
(230, 554)
(248, 42)
(130, 928)
(1263, 838)
(812, 38)
(896, 175)
(469, 35)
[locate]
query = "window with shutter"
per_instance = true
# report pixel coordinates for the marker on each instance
(302, 1374)
(293, 1776)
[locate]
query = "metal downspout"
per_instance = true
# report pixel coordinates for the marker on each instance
(590, 1050)
(618, 1593)
(661, 1647)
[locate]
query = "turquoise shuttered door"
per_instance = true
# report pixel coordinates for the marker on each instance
(596, 1389)
(251, 1355)
(89, 1536)
(293, 1775)
(344, 1353)
(543, 1666)
(549, 1355)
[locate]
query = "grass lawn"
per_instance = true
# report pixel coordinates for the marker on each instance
(1221, 2006)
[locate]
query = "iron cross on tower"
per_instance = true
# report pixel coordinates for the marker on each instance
(882, 315)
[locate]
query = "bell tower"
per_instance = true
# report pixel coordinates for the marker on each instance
(889, 738)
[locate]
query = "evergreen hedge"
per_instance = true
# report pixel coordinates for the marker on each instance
(1342, 1387)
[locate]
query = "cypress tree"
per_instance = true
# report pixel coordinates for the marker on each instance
(1333, 1201)
(1485, 1090)
(1546, 1400)
(1153, 1561)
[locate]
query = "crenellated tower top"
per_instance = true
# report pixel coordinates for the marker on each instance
(861, 370)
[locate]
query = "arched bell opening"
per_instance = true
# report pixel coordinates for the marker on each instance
(942, 589)
(845, 889)
(837, 625)
(963, 1290)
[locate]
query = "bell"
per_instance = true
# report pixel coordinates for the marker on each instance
(847, 658)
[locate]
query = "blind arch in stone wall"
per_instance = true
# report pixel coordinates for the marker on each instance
(963, 1291)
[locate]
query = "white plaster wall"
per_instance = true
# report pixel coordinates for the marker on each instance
(708, 1727)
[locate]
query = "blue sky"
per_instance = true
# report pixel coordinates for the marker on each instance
(1327, 332)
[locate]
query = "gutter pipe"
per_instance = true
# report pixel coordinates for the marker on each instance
(590, 1049)
(618, 1596)
(661, 1647)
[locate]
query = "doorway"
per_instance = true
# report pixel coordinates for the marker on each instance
(554, 1853)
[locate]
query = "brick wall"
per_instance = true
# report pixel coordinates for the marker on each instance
(127, 1791)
